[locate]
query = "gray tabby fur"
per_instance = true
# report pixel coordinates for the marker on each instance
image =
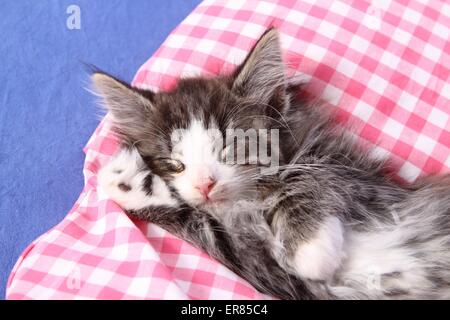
(396, 236)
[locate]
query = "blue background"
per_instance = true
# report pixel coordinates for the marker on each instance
(46, 115)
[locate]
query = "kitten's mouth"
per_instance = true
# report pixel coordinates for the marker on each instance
(211, 200)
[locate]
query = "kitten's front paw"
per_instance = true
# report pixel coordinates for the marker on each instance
(128, 182)
(320, 257)
(122, 179)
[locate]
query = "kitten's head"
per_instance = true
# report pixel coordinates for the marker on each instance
(195, 135)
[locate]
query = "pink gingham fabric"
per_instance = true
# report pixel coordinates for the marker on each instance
(385, 65)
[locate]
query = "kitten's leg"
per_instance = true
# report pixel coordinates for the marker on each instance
(314, 254)
(319, 257)
(128, 181)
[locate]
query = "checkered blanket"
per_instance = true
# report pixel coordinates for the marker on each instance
(384, 65)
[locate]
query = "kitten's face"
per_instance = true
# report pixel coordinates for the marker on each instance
(205, 179)
(183, 134)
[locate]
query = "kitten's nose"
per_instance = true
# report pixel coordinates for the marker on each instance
(206, 186)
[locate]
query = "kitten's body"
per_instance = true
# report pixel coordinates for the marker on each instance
(328, 224)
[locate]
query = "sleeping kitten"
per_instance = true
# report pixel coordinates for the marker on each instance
(255, 97)
(326, 214)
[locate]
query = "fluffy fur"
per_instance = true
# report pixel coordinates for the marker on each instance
(327, 223)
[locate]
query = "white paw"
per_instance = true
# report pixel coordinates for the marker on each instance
(123, 181)
(319, 258)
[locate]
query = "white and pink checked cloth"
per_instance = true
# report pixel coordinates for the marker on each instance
(384, 64)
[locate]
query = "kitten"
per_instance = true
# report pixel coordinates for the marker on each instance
(327, 214)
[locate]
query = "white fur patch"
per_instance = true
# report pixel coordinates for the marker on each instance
(319, 258)
(126, 168)
(199, 151)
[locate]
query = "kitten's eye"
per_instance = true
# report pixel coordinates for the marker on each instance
(177, 166)
(170, 165)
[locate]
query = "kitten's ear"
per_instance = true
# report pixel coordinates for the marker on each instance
(261, 75)
(129, 107)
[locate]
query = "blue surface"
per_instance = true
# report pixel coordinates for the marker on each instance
(46, 116)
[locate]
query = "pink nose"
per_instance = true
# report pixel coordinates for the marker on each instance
(206, 186)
